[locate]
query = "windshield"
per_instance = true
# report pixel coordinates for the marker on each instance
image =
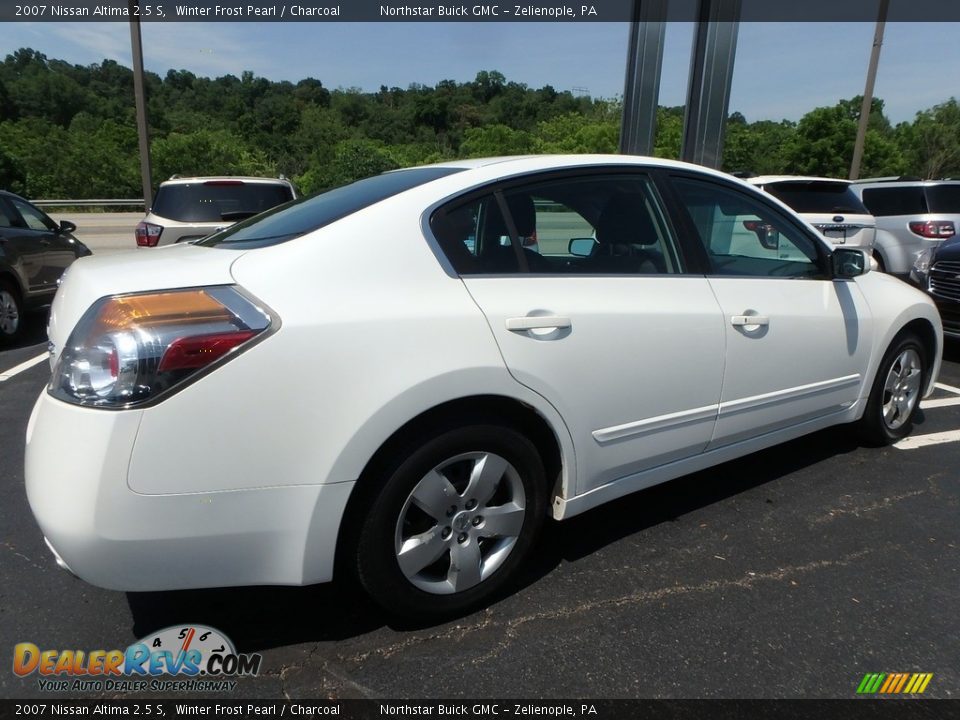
(817, 196)
(218, 200)
(943, 198)
(308, 214)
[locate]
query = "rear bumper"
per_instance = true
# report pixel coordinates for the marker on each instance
(76, 480)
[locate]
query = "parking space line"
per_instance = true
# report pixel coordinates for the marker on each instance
(940, 402)
(918, 441)
(17, 369)
(948, 388)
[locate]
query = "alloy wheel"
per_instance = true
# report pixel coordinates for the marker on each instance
(460, 523)
(901, 390)
(9, 313)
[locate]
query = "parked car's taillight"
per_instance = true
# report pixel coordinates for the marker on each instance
(933, 229)
(128, 349)
(148, 234)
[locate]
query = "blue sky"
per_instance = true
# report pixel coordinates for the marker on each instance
(782, 69)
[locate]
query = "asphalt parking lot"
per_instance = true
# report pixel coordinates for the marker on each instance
(788, 574)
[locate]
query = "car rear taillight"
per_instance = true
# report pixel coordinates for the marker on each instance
(148, 234)
(129, 349)
(934, 229)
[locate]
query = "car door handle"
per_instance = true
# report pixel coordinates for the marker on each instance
(546, 322)
(741, 320)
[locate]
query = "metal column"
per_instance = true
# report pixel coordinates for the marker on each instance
(711, 75)
(141, 102)
(642, 85)
(867, 104)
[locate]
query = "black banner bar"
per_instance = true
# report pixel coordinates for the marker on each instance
(854, 709)
(451, 11)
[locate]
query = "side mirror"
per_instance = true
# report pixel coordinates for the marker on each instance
(849, 263)
(67, 226)
(582, 247)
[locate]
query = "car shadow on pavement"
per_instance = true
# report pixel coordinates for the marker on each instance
(259, 618)
(951, 349)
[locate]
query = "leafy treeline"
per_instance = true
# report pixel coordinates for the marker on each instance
(69, 131)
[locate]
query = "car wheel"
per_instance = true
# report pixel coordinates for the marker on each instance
(11, 313)
(896, 392)
(452, 522)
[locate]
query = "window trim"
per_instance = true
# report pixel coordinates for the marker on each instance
(688, 265)
(684, 219)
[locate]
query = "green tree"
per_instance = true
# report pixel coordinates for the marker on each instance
(207, 152)
(12, 175)
(495, 140)
(932, 141)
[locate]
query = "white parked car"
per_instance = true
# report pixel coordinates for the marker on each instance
(830, 205)
(369, 380)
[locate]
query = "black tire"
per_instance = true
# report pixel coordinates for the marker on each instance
(11, 312)
(467, 552)
(893, 404)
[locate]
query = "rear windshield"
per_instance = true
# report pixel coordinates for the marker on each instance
(889, 201)
(943, 198)
(312, 213)
(216, 201)
(818, 196)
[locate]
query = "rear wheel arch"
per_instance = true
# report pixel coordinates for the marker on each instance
(495, 410)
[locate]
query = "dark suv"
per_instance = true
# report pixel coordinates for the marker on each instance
(937, 272)
(34, 252)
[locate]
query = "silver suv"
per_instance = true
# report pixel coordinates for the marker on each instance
(826, 203)
(189, 208)
(912, 216)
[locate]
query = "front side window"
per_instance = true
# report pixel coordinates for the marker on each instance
(7, 215)
(601, 224)
(34, 219)
(745, 237)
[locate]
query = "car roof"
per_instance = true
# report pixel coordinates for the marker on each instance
(904, 183)
(767, 179)
(186, 180)
(531, 163)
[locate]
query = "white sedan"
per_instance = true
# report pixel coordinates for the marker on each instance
(387, 379)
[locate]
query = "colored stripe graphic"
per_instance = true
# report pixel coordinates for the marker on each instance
(894, 683)
(870, 683)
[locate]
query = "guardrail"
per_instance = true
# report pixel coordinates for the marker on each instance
(87, 203)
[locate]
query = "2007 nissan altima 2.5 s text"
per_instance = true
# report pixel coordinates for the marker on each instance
(404, 377)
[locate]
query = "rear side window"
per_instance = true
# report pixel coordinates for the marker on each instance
(591, 225)
(943, 198)
(309, 214)
(218, 200)
(884, 202)
(818, 196)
